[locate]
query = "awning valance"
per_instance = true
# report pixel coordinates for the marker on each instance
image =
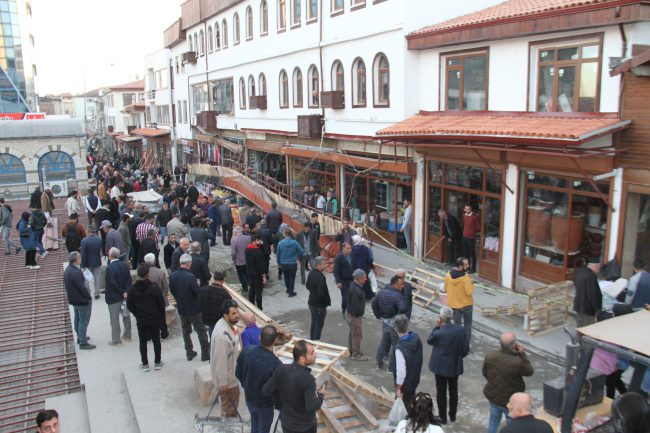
(151, 132)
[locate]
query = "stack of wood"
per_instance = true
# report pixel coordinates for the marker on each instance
(548, 307)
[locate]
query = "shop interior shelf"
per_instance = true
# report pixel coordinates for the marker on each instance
(593, 229)
(551, 249)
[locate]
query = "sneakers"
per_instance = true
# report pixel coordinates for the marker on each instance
(44, 255)
(125, 338)
(87, 346)
(158, 365)
(34, 267)
(144, 367)
(191, 355)
(205, 356)
(291, 295)
(18, 250)
(359, 357)
(115, 343)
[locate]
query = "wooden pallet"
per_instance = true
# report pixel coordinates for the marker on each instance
(326, 355)
(548, 307)
(426, 285)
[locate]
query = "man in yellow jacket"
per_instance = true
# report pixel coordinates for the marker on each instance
(459, 288)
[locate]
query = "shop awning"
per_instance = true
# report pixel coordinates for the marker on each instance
(151, 132)
(383, 164)
(517, 128)
(205, 138)
(128, 138)
(237, 148)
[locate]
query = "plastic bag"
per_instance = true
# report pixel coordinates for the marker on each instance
(124, 310)
(373, 281)
(89, 277)
(397, 413)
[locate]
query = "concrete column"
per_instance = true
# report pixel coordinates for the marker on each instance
(343, 199)
(509, 227)
(617, 204)
(419, 207)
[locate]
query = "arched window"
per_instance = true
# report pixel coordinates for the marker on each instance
(262, 85)
(217, 37)
(242, 94)
(196, 44)
(190, 45)
(251, 86)
(264, 18)
(224, 32)
(381, 81)
(337, 76)
(358, 83)
(249, 23)
(56, 166)
(12, 170)
(297, 87)
(210, 40)
(314, 87)
(282, 14)
(235, 28)
(202, 46)
(284, 89)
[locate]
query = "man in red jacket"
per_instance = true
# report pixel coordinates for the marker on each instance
(471, 226)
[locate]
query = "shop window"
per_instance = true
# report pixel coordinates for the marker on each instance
(310, 173)
(337, 6)
(314, 87)
(297, 88)
(217, 36)
(262, 85)
(284, 89)
(566, 76)
(464, 176)
(210, 40)
(249, 23)
(358, 83)
(264, 18)
(223, 101)
(251, 85)
(235, 28)
(312, 10)
(224, 29)
(466, 82)
(282, 15)
(381, 80)
(242, 94)
(12, 170)
(337, 76)
(56, 165)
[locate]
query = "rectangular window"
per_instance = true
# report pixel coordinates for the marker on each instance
(179, 112)
(127, 99)
(185, 111)
(337, 6)
(466, 81)
(356, 4)
(565, 77)
(282, 14)
(295, 20)
(223, 100)
(199, 98)
(312, 13)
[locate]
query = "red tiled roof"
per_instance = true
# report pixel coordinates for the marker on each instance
(569, 128)
(150, 132)
(511, 9)
(134, 85)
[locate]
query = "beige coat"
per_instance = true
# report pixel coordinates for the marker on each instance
(159, 276)
(224, 351)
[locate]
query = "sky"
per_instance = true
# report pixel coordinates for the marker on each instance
(105, 41)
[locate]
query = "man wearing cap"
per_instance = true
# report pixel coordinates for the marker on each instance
(113, 238)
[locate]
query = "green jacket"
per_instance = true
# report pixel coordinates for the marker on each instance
(505, 371)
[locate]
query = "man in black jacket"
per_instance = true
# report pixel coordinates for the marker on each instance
(253, 219)
(354, 314)
(256, 269)
(319, 297)
(182, 248)
(266, 235)
(199, 266)
(273, 218)
(137, 219)
(408, 360)
(118, 281)
(149, 245)
(211, 299)
(255, 365)
(145, 300)
(297, 391)
(35, 198)
(79, 298)
(170, 246)
(388, 303)
(343, 273)
(308, 240)
(588, 299)
(454, 234)
(521, 411)
(192, 193)
(226, 222)
(182, 284)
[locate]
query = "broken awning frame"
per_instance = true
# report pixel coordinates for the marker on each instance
(574, 153)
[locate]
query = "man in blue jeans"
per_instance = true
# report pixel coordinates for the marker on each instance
(288, 253)
(504, 370)
(80, 299)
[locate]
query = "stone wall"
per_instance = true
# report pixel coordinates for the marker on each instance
(30, 150)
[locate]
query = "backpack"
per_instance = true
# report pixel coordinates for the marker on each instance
(72, 238)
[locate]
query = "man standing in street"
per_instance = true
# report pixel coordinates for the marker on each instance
(149, 245)
(6, 223)
(113, 239)
(588, 298)
(226, 222)
(407, 225)
(450, 346)
(118, 281)
(265, 234)
(453, 233)
(345, 234)
(520, 409)
(504, 370)
(273, 218)
(200, 233)
(388, 303)
(408, 361)
(91, 257)
(460, 291)
(319, 297)
(211, 298)
(177, 227)
(182, 248)
(225, 346)
(162, 219)
(308, 241)
(80, 299)
(182, 284)
(297, 391)
(255, 270)
(471, 226)
(255, 366)
(199, 267)
(168, 250)
(145, 301)
(407, 292)
(288, 253)
(125, 232)
(238, 247)
(158, 276)
(354, 315)
(343, 273)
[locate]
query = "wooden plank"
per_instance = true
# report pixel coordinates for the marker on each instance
(363, 412)
(381, 397)
(331, 420)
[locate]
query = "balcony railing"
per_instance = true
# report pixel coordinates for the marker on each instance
(151, 94)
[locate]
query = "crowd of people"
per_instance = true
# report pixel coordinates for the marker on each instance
(169, 251)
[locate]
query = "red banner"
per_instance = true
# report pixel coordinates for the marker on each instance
(22, 116)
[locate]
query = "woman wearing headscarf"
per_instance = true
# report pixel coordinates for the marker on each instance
(27, 241)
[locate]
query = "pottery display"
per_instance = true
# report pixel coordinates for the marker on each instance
(563, 239)
(594, 216)
(539, 225)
